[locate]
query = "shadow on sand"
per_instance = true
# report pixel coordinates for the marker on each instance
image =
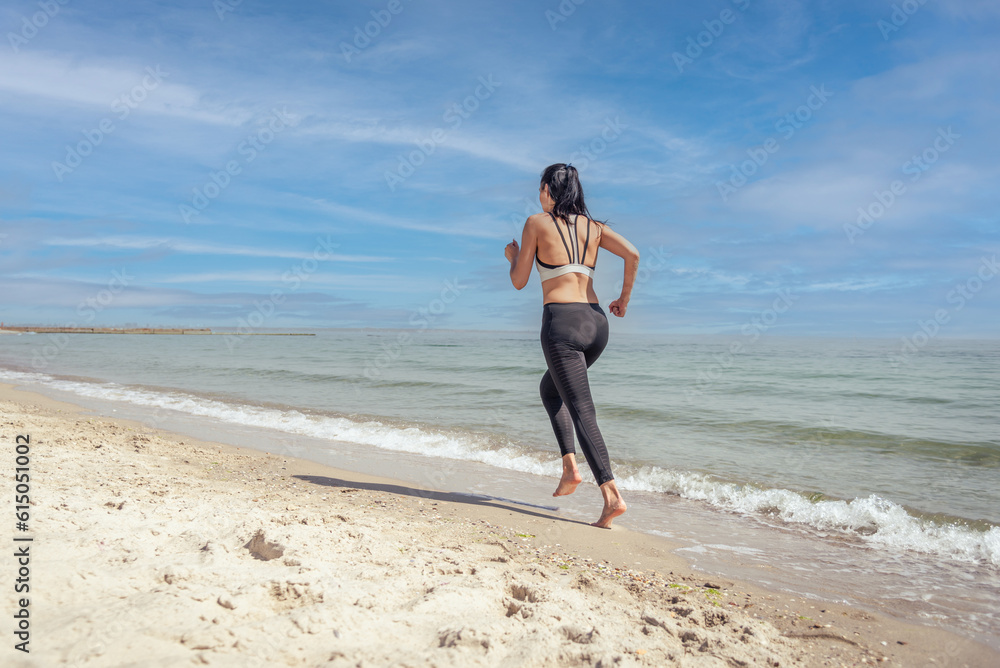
(451, 497)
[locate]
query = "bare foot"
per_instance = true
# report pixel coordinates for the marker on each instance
(570, 476)
(570, 479)
(614, 505)
(610, 512)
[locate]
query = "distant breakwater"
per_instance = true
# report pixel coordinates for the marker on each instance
(136, 330)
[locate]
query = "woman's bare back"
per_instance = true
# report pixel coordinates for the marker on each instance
(552, 249)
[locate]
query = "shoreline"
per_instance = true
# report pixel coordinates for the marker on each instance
(209, 574)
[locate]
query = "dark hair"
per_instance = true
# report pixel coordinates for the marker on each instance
(564, 187)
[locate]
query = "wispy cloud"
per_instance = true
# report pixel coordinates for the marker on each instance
(64, 79)
(202, 248)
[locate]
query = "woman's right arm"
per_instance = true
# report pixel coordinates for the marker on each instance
(620, 246)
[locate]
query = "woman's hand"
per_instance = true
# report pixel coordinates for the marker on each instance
(511, 251)
(618, 307)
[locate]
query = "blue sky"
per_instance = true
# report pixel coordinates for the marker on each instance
(197, 163)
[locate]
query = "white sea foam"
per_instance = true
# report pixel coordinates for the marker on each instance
(431, 442)
(878, 521)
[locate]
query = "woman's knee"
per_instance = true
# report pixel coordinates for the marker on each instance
(547, 387)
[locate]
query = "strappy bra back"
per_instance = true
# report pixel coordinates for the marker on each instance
(575, 265)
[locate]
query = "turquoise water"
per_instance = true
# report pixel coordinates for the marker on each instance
(825, 437)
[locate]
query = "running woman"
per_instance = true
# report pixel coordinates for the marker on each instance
(563, 242)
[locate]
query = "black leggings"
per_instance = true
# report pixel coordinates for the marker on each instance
(573, 337)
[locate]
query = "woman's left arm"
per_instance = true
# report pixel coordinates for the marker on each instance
(520, 257)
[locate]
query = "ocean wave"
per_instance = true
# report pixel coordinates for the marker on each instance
(386, 434)
(875, 520)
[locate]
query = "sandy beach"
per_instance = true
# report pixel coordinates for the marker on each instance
(150, 549)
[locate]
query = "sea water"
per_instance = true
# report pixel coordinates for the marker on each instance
(831, 467)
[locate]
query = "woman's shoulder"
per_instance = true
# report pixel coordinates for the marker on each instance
(580, 217)
(545, 218)
(600, 226)
(539, 222)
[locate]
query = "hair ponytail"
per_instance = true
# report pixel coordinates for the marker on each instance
(563, 181)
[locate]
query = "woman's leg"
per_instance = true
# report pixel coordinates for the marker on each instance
(569, 374)
(562, 425)
(573, 337)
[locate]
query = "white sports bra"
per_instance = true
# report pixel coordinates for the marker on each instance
(547, 271)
